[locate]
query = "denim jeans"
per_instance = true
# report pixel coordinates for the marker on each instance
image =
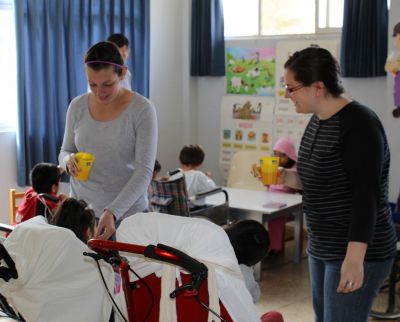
(331, 306)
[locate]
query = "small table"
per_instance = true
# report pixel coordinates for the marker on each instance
(249, 204)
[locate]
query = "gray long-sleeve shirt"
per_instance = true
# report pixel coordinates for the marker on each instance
(124, 149)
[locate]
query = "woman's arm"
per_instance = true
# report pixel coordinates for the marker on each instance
(68, 146)
(145, 153)
(352, 271)
(363, 154)
(289, 178)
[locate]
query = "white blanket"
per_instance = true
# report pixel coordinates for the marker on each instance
(200, 239)
(56, 282)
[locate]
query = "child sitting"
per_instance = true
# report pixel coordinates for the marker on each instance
(75, 215)
(45, 178)
(250, 242)
(285, 150)
(191, 158)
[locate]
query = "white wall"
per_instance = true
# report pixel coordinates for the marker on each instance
(171, 87)
(189, 108)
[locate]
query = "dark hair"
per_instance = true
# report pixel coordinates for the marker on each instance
(315, 64)
(107, 52)
(192, 155)
(75, 215)
(119, 39)
(43, 176)
(250, 241)
(396, 29)
(157, 166)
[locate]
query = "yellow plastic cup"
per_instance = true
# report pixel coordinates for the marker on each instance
(85, 162)
(269, 170)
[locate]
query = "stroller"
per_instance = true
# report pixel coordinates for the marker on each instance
(211, 291)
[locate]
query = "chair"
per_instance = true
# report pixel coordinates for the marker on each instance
(171, 197)
(240, 175)
(14, 203)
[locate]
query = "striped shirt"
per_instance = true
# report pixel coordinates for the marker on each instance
(343, 164)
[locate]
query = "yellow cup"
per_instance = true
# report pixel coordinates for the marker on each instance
(85, 162)
(269, 170)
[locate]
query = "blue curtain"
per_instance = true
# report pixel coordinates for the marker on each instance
(208, 44)
(364, 38)
(52, 38)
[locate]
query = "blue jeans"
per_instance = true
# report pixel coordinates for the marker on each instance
(331, 306)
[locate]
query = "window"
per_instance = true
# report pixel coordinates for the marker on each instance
(255, 18)
(8, 67)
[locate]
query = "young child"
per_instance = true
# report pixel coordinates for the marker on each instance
(285, 150)
(191, 158)
(77, 216)
(45, 178)
(250, 241)
(123, 46)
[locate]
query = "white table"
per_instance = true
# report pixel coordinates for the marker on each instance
(249, 204)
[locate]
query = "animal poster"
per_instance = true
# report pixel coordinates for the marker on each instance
(246, 123)
(250, 71)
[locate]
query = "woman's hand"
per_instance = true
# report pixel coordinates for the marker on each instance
(106, 226)
(352, 271)
(72, 165)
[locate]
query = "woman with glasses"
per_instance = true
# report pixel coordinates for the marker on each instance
(343, 165)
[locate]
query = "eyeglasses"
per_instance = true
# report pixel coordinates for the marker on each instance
(291, 90)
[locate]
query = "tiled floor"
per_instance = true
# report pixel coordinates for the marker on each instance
(285, 288)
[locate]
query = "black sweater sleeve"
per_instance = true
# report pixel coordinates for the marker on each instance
(363, 148)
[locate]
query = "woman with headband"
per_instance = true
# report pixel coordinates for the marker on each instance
(118, 127)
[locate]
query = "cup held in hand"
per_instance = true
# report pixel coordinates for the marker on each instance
(269, 170)
(85, 162)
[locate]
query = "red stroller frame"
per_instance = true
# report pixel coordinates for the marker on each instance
(188, 296)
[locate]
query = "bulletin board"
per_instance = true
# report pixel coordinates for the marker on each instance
(255, 122)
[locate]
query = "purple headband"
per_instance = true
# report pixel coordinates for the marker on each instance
(104, 62)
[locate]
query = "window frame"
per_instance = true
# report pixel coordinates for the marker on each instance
(318, 31)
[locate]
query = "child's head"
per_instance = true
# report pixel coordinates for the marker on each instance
(157, 169)
(192, 155)
(250, 241)
(75, 215)
(123, 44)
(285, 150)
(45, 177)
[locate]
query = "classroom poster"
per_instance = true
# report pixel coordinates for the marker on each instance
(250, 71)
(246, 123)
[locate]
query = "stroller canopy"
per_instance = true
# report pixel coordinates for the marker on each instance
(200, 239)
